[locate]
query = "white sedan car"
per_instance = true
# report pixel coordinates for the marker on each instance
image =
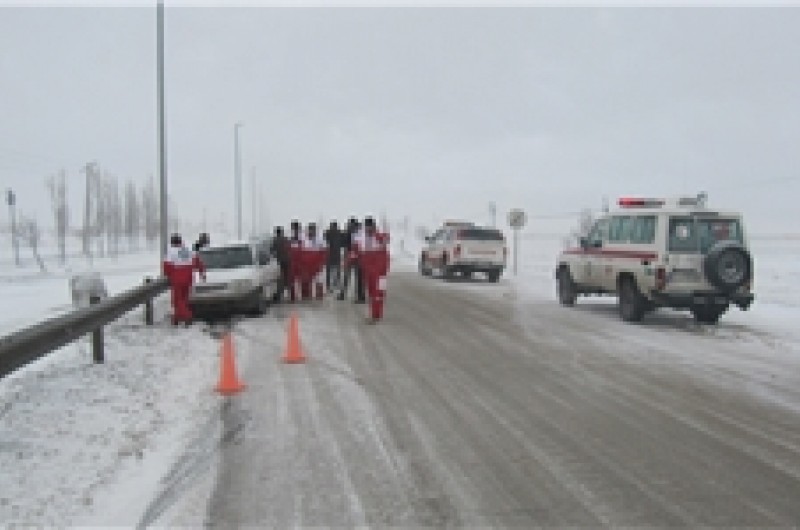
(240, 277)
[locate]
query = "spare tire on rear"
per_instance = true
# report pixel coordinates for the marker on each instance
(728, 266)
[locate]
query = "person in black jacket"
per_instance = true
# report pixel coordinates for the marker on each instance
(279, 248)
(351, 264)
(333, 264)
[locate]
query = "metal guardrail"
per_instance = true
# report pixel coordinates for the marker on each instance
(26, 345)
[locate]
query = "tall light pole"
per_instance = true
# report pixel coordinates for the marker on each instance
(237, 175)
(162, 140)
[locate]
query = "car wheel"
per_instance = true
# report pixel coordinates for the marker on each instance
(567, 292)
(262, 304)
(632, 304)
(708, 314)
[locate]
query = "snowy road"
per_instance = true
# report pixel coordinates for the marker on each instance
(471, 406)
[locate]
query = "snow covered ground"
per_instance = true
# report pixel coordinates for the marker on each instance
(84, 444)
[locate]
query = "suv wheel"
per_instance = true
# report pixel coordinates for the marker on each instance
(632, 304)
(567, 292)
(423, 270)
(728, 266)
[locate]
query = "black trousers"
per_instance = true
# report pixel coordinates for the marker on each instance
(333, 273)
(353, 268)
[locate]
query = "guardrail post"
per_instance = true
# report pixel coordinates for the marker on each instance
(98, 351)
(148, 307)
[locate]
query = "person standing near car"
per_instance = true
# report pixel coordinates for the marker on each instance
(333, 265)
(279, 248)
(313, 259)
(372, 250)
(295, 266)
(179, 266)
(351, 265)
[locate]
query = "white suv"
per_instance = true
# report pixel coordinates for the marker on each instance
(662, 253)
(239, 277)
(464, 248)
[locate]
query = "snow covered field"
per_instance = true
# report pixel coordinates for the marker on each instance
(88, 445)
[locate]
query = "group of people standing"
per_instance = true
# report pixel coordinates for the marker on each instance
(312, 263)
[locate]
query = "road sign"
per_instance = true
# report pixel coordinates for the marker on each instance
(517, 218)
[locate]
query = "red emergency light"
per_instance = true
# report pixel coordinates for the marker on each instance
(636, 202)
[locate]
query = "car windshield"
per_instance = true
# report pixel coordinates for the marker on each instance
(227, 257)
(693, 234)
(480, 234)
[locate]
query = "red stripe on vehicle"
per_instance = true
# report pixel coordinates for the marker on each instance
(630, 254)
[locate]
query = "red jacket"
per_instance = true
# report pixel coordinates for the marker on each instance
(372, 251)
(180, 264)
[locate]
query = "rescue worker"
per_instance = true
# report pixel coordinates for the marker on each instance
(351, 266)
(279, 248)
(333, 265)
(295, 266)
(313, 258)
(179, 266)
(372, 250)
(203, 240)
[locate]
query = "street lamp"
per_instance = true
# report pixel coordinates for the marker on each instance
(237, 174)
(162, 138)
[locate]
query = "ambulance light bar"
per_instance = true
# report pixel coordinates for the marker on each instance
(635, 202)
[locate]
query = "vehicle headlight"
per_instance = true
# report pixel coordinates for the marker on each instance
(241, 285)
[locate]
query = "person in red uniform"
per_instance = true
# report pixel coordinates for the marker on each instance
(179, 266)
(372, 251)
(314, 254)
(295, 265)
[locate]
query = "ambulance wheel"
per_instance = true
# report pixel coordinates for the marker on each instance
(632, 304)
(567, 293)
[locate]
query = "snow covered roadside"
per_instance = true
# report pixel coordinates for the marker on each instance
(87, 444)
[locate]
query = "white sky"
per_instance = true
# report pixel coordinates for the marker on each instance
(426, 112)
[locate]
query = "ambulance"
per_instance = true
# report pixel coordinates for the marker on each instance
(653, 252)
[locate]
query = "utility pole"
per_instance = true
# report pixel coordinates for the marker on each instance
(237, 175)
(493, 213)
(11, 199)
(162, 140)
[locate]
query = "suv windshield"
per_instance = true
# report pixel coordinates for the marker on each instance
(480, 234)
(693, 234)
(226, 258)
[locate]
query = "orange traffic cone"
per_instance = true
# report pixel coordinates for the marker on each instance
(228, 380)
(294, 352)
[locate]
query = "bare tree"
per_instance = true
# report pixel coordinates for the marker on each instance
(150, 210)
(131, 227)
(58, 198)
(29, 233)
(90, 171)
(113, 211)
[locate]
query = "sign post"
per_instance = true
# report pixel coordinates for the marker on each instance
(516, 220)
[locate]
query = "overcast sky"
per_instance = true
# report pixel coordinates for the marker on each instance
(427, 112)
